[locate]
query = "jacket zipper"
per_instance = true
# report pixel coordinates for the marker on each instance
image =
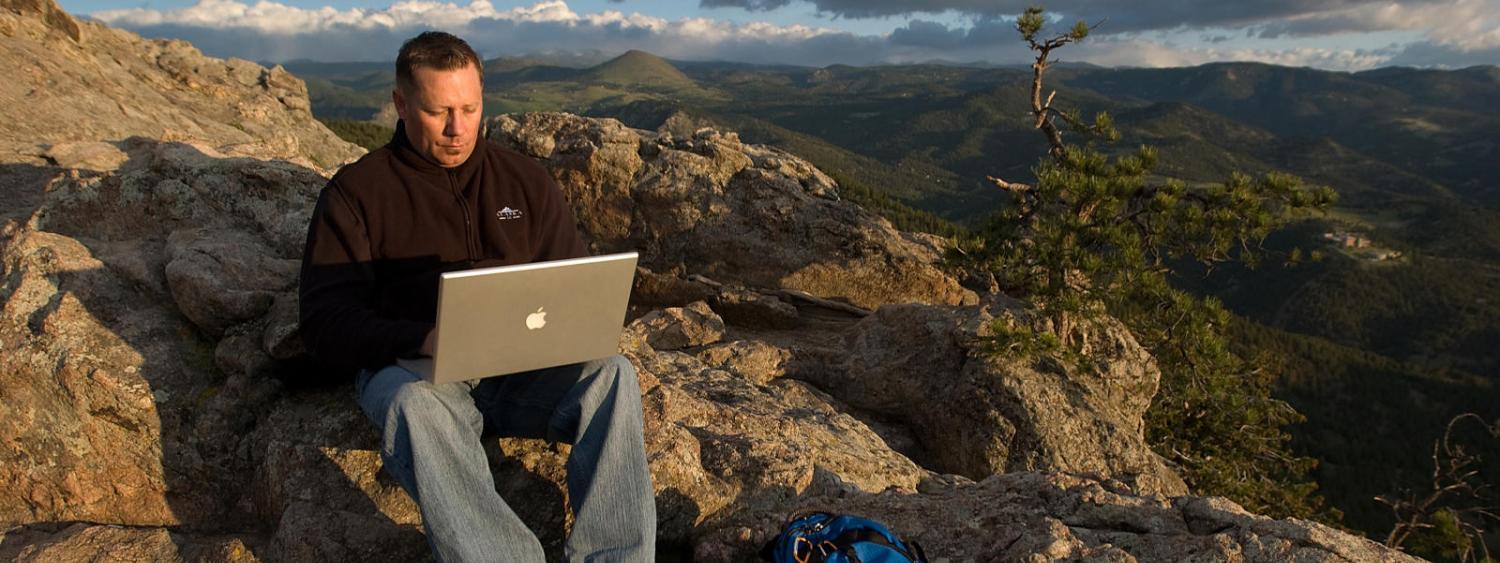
(468, 216)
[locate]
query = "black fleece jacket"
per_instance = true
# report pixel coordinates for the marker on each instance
(386, 226)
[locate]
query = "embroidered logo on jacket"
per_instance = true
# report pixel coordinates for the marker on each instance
(508, 214)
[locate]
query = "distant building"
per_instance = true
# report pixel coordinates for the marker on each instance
(1352, 240)
(1348, 240)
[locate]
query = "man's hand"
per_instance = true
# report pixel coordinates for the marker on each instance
(426, 349)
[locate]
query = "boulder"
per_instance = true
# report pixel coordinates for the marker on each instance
(721, 442)
(677, 327)
(195, 188)
(1043, 517)
(754, 309)
(758, 361)
(220, 279)
(980, 413)
(711, 205)
(90, 542)
(319, 487)
(665, 290)
(52, 17)
(77, 85)
(92, 155)
(85, 367)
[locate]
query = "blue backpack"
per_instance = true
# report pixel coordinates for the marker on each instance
(820, 537)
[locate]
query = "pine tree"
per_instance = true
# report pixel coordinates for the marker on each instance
(1097, 235)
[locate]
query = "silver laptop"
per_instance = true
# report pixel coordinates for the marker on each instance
(510, 319)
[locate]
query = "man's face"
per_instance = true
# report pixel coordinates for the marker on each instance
(442, 113)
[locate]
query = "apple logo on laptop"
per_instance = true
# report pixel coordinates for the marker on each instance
(536, 320)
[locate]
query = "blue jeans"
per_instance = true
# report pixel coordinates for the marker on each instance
(431, 444)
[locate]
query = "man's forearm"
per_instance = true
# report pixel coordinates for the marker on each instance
(357, 337)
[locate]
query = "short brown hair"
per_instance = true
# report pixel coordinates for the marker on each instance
(436, 50)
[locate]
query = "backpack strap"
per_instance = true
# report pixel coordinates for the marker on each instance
(843, 543)
(917, 548)
(768, 551)
(864, 535)
(846, 542)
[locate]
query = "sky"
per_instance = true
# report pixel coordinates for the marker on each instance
(1345, 35)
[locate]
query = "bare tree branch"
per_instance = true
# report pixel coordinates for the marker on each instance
(1456, 488)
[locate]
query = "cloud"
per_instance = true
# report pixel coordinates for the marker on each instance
(752, 5)
(1464, 23)
(923, 33)
(271, 17)
(1460, 25)
(1148, 53)
(981, 33)
(1433, 54)
(269, 31)
(995, 40)
(880, 8)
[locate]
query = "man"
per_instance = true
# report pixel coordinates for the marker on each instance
(383, 231)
